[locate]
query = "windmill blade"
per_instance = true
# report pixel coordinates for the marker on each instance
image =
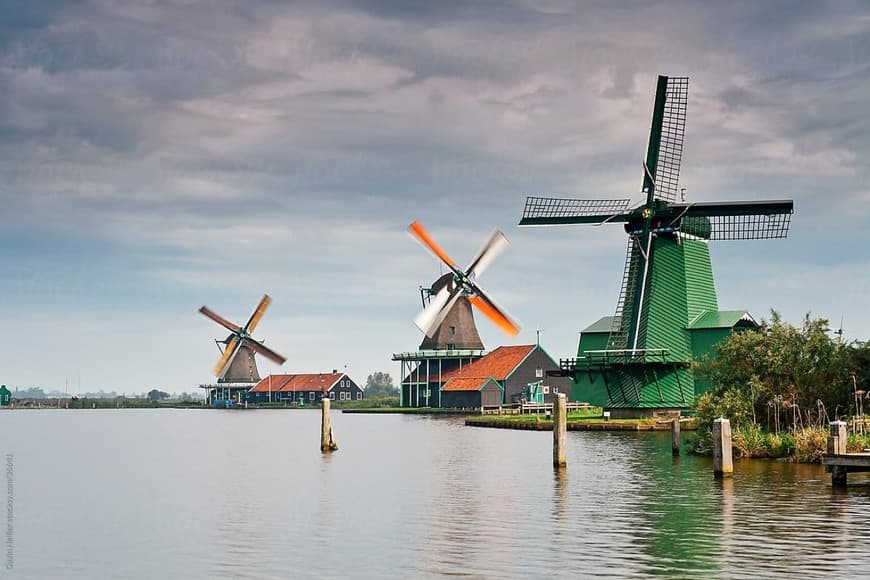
(264, 350)
(258, 314)
(494, 312)
(741, 220)
(670, 137)
(229, 353)
(434, 314)
(541, 211)
(493, 247)
(416, 229)
(219, 319)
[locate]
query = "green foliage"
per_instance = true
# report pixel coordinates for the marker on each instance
(751, 441)
(155, 395)
(810, 444)
(781, 376)
(380, 384)
(858, 443)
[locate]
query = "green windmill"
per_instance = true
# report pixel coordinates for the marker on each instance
(639, 360)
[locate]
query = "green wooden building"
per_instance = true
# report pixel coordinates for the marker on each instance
(5, 396)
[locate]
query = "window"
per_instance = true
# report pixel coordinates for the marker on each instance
(332, 395)
(555, 390)
(546, 390)
(311, 396)
(539, 373)
(452, 330)
(451, 346)
(359, 395)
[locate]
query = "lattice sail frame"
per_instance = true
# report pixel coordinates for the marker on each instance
(560, 208)
(743, 227)
(671, 142)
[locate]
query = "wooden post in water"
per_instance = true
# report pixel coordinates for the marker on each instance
(675, 437)
(723, 464)
(327, 443)
(837, 438)
(560, 430)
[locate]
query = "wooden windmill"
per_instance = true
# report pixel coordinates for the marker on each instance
(237, 364)
(667, 312)
(450, 337)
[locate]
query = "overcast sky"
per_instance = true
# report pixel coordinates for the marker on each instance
(158, 156)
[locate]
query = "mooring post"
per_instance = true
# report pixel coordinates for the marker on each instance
(837, 438)
(560, 430)
(327, 443)
(723, 464)
(675, 437)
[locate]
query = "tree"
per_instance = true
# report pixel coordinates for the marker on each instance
(155, 395)
(779, 375)
(380, 384)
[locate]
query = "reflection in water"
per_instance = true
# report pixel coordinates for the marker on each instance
(405, 497)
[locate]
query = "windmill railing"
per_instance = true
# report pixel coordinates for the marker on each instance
(592, 359)
(440, 353)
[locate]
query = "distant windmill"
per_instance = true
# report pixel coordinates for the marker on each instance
(667, 282)
(237, 364)
(451, 288)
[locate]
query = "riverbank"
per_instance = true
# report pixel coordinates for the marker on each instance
(580, 421)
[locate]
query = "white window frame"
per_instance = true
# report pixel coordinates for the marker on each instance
(359, 395)
(311, 395)
(539, 373)
(332, 395)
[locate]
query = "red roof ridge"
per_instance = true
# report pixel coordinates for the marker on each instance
(299, 382)
(498, 364)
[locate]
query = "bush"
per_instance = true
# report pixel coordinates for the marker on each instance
(810, 444)
(857, 443)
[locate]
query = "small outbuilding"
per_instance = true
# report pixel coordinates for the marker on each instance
(5, 396)
(303, 389)
(502, 377)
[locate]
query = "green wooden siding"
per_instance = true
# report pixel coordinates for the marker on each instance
(700, 290)
(666, 304)
(592, 341)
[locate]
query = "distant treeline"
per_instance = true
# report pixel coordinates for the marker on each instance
(39, 393)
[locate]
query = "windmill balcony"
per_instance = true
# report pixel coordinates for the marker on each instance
(593, 359)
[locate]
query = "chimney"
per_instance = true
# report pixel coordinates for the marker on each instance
(335, 371)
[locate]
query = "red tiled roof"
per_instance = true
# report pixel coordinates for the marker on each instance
(498, 364)
(465, 384)
(297, 383)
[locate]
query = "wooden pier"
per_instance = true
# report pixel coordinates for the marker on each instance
(839, 463)
(531, 408)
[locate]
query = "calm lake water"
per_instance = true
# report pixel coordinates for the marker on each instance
(204, 494)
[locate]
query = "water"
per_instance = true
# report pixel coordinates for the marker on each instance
(204, 494)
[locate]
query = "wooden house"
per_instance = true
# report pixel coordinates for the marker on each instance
(305, 389)
(502, 377)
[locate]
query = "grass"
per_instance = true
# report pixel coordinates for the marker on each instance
(804, 446)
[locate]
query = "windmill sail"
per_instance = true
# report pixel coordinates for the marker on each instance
(670, 152)
(553, 210)
(742, 220)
